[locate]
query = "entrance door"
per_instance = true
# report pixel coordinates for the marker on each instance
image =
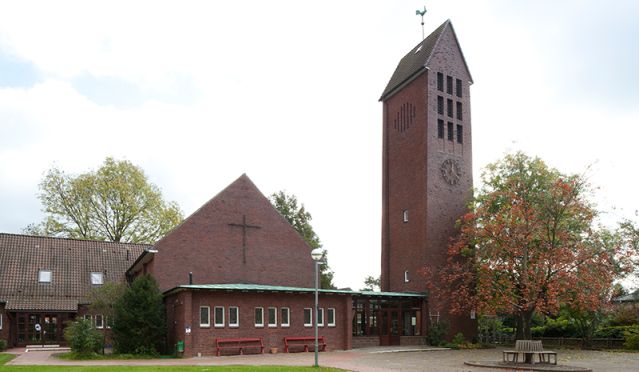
(389, 327)
(50, 328)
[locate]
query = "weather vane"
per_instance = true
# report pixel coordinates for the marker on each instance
(421, 13)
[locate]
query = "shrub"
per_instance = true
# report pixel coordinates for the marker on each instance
(436, 332)
(459, 339)
(139, 326)
(82, 337)
(3, 345)
(631, 337)
(611, 332)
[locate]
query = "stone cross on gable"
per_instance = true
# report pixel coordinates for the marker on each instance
(244, 227)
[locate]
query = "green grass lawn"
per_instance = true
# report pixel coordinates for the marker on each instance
(4, 358)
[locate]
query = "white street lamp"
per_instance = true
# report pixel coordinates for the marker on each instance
(316, 254)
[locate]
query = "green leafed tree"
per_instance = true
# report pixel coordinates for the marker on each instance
(372, 283)
(300, 219)
(139, 324)
(114, 203)
(102, 301)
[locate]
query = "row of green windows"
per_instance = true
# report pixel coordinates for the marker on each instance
(220, 318)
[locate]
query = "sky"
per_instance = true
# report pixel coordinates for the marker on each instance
(198, 92)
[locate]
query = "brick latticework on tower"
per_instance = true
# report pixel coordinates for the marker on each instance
(427, 165)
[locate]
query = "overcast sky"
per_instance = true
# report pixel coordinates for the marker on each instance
(197, 93)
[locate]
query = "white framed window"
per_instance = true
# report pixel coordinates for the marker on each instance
(234, 316)
(218, 316)
(259, 317)
(308, 317)
(89, 318)
(406, 279)
(272, 317)
(405, 215)
(97, 278)
(44, 276)
(99, 321)
(286, 317)
(320, 317)
(330, 317)
(205, 316)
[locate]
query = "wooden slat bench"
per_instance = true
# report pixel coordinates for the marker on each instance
(238, 343)
(529, 347)
(307, 342)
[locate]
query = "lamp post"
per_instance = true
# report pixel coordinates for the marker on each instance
(316, 254)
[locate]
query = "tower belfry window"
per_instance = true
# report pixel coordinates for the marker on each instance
(440, 128)
(460, 134)
(440, 81)
(459, 111)
(459, 87)
(449, 84)
(449, 104)
(450, 131)
(440, 105)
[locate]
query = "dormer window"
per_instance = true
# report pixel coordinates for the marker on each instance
(44, 276)
(97, 278)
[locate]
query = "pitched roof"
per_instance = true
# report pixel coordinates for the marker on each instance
(71, 262)
(416, 61)
(243, 287)
(630, 297)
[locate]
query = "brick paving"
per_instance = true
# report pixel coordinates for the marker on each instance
(366, 360)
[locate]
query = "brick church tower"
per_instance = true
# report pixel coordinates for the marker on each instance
(427, 164)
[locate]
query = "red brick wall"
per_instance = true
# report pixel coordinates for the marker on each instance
(183, 308)
(206, 245)
(412, 179)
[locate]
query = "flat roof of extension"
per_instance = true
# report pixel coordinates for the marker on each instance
(276, 288)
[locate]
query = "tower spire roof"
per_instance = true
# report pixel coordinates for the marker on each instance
(416, 61)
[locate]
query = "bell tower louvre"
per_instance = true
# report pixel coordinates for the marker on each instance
(427, 165)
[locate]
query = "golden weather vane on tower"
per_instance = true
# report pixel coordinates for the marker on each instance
(421, 13)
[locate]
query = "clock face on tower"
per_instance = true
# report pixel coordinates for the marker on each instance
(451, 171)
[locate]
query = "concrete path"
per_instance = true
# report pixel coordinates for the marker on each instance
(366, 360)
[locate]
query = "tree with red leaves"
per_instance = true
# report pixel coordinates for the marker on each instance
(528, 245)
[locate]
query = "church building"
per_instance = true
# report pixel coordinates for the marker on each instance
(235, 268)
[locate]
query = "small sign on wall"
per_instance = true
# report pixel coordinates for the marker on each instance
(472, 314)
(413, 321)
(187, 330)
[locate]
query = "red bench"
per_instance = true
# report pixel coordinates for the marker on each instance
(238, 343)
(307, 342)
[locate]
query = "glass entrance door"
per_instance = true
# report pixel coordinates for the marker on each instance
(389, 327)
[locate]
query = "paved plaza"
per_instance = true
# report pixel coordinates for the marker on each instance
(371, 359)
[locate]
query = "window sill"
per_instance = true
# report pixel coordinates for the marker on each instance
(285, 325)
(234, 326)
(259, 326)
(219, 326)
(205, 326)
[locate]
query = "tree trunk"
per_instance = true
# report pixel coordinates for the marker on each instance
(523, 329)
(523, 325)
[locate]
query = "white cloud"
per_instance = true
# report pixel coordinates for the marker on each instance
(286, 92)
